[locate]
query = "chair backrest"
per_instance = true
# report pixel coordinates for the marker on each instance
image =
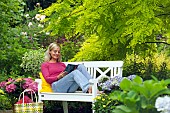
(98, 69)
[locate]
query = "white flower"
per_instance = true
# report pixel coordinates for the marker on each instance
(27, 15)
(37, 16)
(37, 4)
(102, 78)
(29, 24)
(40, 25)
(163, 104)
(40, 17)
(47, 33)
(24, 33)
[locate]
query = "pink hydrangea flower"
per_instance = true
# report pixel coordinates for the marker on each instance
(10, 80)
(10, 88)
(2, 84)
(34, 86)
(27, 82)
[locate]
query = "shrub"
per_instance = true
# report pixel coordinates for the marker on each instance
(104, 104)
(157, 65)
(110, 84)
(5, 103)
(32, 60)
(69, 49)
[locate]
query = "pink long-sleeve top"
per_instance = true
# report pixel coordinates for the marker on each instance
(50, 71)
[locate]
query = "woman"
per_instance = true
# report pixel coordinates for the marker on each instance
(53, 72)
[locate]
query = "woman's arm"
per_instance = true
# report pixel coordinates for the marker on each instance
(45, 72)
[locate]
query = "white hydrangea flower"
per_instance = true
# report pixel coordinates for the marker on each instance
(163, 104)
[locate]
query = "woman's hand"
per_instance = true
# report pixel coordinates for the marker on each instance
(62, 74)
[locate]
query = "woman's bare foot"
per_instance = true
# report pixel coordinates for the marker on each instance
(90, 91)
(99, 92)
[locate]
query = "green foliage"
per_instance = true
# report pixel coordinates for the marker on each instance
(5, 103)
(10, 50)
(136, 96)
(157, 65)
(120, 25)
(32, 60)
(95, 48)
(30, 31)
(10, 55)
(22, 34)
(11, 12)
(139, 96)
(69, 49)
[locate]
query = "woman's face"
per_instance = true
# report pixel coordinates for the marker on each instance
(55, 53)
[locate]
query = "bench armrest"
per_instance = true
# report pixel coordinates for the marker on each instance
(93, 81)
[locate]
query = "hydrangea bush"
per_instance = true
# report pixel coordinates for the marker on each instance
(136, 95)
(108, 84)
(12, 88)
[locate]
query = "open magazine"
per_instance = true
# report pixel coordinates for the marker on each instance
(70, 67)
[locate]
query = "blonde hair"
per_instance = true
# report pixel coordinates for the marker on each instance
(47, 53)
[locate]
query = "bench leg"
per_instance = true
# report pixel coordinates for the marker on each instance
(65, 106)
(93, 111)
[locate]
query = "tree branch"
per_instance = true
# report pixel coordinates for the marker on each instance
(163, 14)
(159, 42)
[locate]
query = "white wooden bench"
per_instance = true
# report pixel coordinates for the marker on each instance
(97, 69)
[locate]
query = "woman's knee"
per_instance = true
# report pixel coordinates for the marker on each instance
(75, 72)
(81, 66)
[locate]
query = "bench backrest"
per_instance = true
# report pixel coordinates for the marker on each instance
(98, 69)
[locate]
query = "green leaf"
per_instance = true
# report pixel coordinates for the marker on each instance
(126, 85)
(124, 108)
(144, 102)
(138, 80)
(167, 81)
